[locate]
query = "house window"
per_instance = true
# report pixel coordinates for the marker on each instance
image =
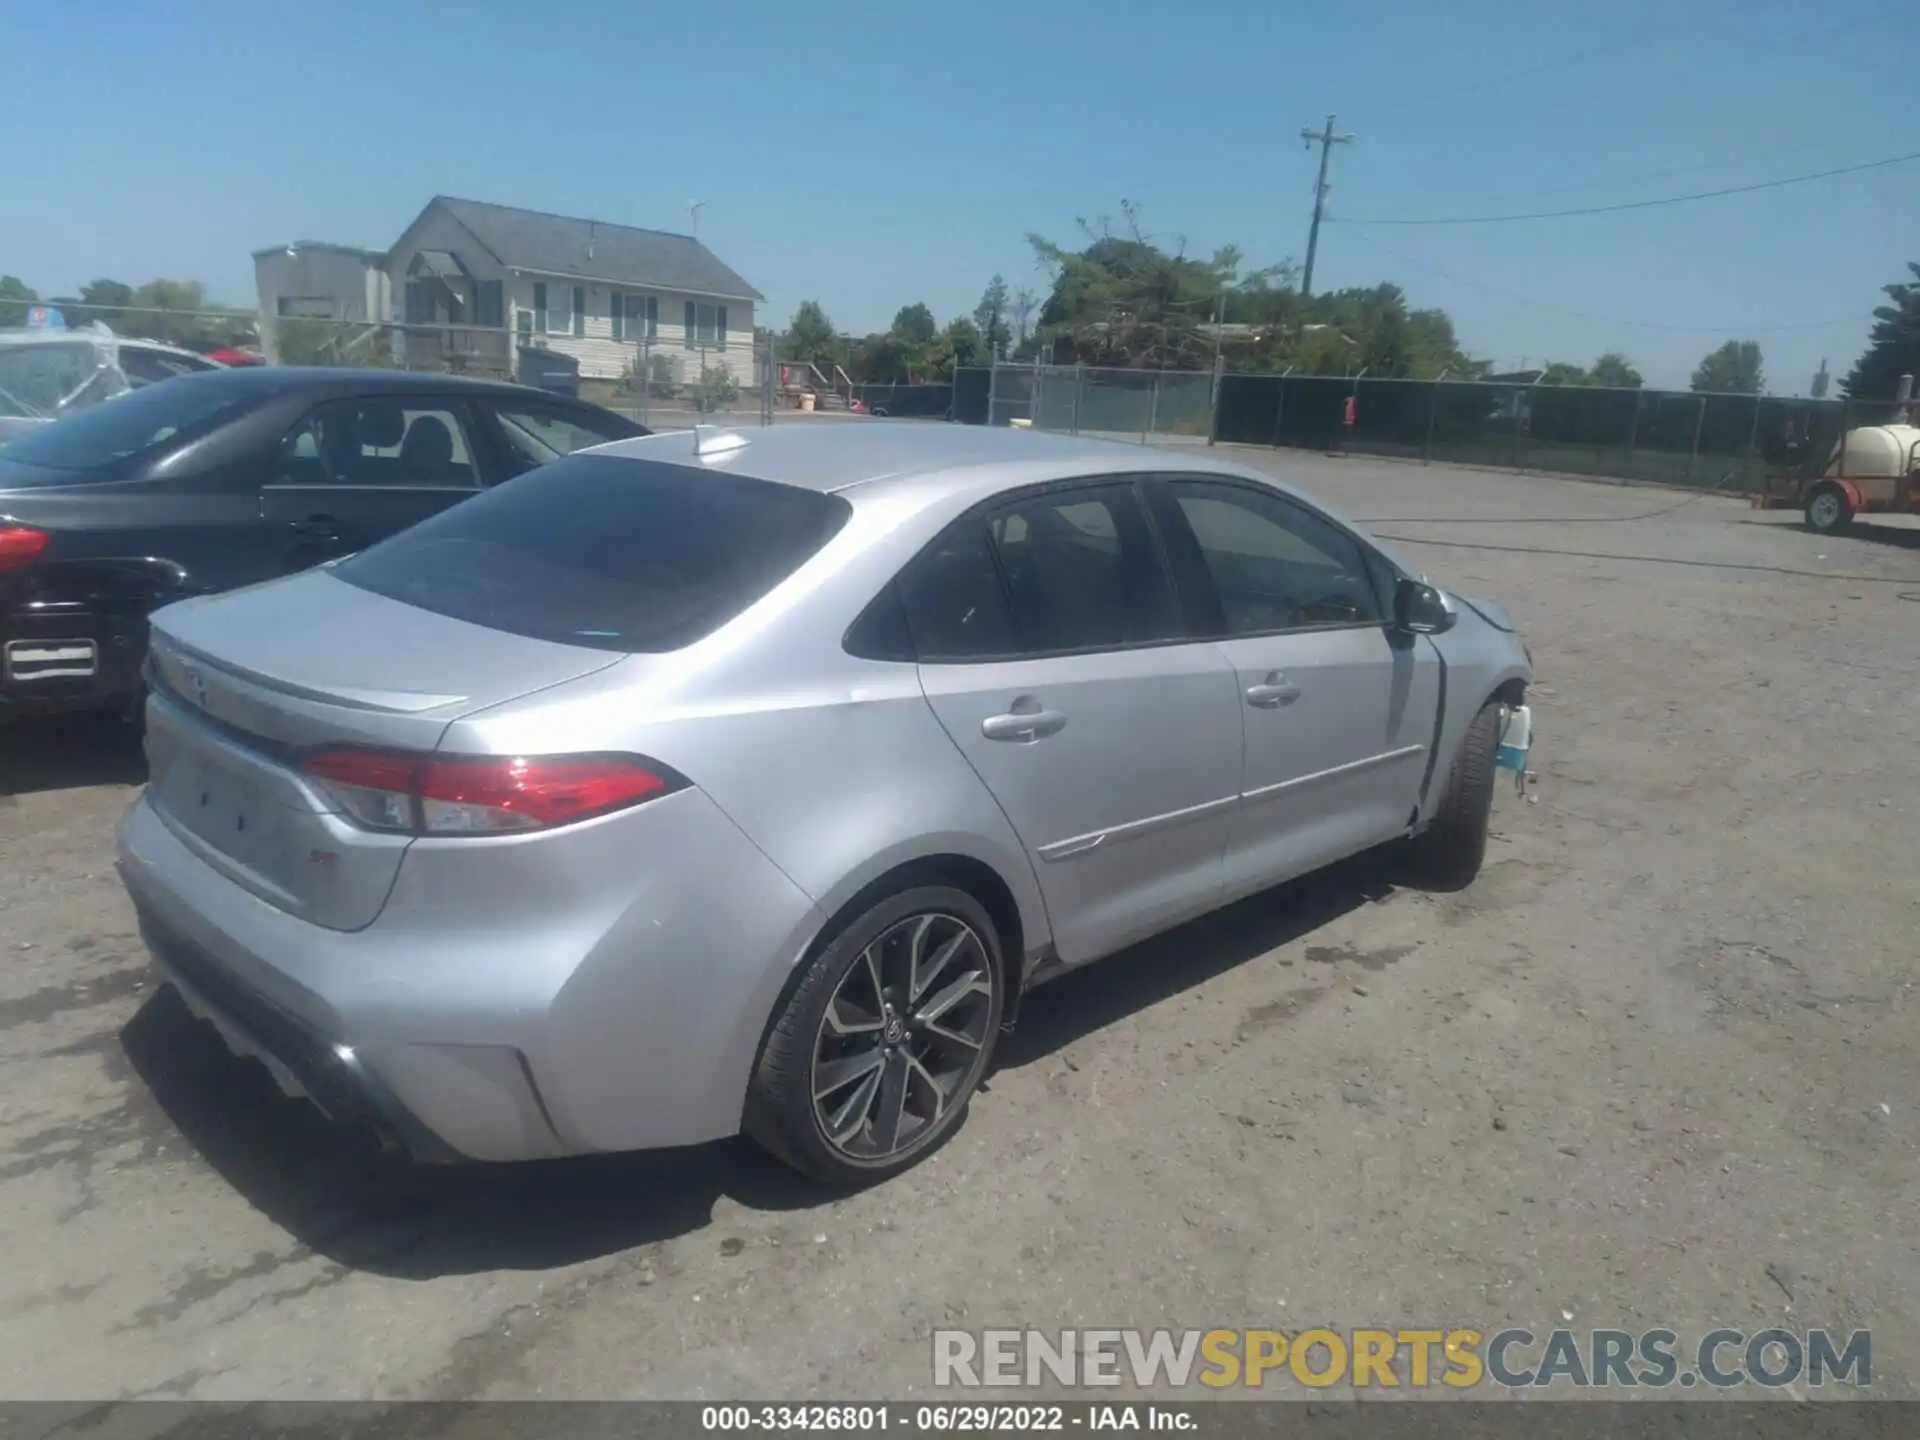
(554, 301)
(706, 326)
(579, 310)
(490, 304)
(636, 317)
(419, 303)
(540, 306)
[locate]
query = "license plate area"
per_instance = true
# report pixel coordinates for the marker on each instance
(218, 805)
(30, 660)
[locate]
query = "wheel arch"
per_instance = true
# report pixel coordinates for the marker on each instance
(1019, 920)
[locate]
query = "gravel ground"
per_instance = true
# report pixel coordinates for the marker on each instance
(1659, 1066)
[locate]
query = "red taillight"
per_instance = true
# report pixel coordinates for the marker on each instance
(482, 795)
(21, 545)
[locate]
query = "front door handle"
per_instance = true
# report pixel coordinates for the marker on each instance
(319, 527)
(1276, 690)
(1025, 726)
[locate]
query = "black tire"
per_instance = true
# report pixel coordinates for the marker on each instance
(1829, 511)
(782, 1115)
(1448, 854)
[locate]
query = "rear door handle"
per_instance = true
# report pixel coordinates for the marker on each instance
(1272, 693)
(1033, 725)
(320, 527)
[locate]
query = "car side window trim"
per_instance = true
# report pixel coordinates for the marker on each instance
(980, 514)
(1190, 568)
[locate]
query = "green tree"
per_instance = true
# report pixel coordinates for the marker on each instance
(15, 296)
(1021, 308)
(1616, 372)
(1893, 346)
(1565, 372)
(103, 300)
(1123, 301)
(959, 346)
(990, 316)
(914, 324)
(1732, 369)
(810, 337)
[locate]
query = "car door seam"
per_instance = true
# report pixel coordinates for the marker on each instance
(1439, 723)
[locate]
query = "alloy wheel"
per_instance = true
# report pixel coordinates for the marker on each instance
(903, 1038)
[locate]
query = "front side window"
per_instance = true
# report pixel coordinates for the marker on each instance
(1274, 564)
(380, 443)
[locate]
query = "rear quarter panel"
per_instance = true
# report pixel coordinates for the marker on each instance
(834, 766)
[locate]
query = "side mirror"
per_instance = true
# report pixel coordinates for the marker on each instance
(1419, 609)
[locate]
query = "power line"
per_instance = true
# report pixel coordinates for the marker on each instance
(1635, 204)
(1667, 172)
(1534, 304)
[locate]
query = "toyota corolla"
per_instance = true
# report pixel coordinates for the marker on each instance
(697, 784)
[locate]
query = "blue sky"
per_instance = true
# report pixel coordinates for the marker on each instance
(872, 155)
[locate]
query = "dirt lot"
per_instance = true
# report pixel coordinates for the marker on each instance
(1660, 1066)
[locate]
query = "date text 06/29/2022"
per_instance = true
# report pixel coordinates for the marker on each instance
(1414, 1358)
(944, 1418)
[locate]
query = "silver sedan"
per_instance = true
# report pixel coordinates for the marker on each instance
(699, 783)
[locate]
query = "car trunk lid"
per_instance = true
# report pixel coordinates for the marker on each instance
(247, 682)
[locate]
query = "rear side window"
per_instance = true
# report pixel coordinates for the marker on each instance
(1051, 572)
(1082, 571)
(615, 554)
(379, 444)
(130, 424)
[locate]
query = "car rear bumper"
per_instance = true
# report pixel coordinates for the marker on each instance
(517, 1022)
(59, 656)
(304, 1062)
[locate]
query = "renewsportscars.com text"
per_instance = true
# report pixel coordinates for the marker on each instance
(1458, 1359)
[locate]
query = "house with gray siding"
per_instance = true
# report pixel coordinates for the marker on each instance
(321, 280)
(479, 281)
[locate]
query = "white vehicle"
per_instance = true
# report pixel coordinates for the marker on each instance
(46, 375)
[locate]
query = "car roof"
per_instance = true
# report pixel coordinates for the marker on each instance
(828, 456)
(321, 380)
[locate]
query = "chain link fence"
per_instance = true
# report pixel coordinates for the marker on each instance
(1731, 442)
(1085, 400)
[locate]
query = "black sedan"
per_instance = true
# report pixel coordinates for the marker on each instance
(211, 481)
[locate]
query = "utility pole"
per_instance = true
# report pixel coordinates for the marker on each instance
(1326, 140)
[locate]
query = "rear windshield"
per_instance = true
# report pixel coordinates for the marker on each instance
(126, 425)
(615, 554)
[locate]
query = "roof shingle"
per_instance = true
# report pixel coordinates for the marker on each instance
(592, 249)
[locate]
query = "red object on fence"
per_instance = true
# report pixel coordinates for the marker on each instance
(1353, 411)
